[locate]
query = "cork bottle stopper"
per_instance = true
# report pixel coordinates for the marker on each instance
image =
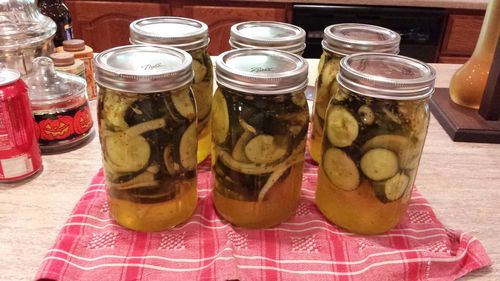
(74, 45)
(63, 58)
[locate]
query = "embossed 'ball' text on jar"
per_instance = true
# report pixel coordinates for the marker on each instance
(147, 129)
(259, 131)
(375, 128)
(340, 40)
(191, 36)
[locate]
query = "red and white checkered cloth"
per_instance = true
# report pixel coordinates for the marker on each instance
(91, 246)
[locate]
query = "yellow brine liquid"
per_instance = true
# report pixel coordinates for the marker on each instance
(469, 82)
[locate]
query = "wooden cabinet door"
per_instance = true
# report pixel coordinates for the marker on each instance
(220, 19)
(104, 25)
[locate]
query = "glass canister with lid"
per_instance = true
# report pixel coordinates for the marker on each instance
(340, 40)
(191, 36)
(60, 107)
(268, 34)
(375, 128)
(259, 130)
(147, 129)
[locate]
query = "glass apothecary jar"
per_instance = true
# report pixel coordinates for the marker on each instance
(375, 128)
(191, 36)
(147, 129)
(340, 40)
(63, 120)
(259, 132)
(268, 34)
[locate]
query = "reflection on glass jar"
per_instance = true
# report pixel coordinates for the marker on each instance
(341, 40)
(259, 131)
(191, 36)
(147, 129)
(375, 128)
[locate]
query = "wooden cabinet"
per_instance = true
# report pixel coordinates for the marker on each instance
(462, 32)
(220, 19)
(104, 25)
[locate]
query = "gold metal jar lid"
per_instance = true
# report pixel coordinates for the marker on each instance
(268, 34)
(386, 76)
(262, 71)
(183, 33)
(350, 38)
(143, 69)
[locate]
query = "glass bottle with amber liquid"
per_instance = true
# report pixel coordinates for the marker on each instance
(468, 84)
(59, 13)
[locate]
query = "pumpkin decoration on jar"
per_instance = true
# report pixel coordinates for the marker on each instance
(60, 107)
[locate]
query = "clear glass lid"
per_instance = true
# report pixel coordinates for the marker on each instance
(22, 25)
(47, 86)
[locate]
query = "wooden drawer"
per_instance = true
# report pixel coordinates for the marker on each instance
(104, 25)
(462, 32)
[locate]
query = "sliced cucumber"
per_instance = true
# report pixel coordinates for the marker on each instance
(239, 148)
(273, 178)
(126, 153)
(114, 108)
(144, 127)
(329, 73)
(203, 95)
(265, 149)
(366, 115)
(200, 71)
(220, 118)
(187, 148)
(299, 99)
(341, 126)
(395, 143)
(144, 179)
(340, 169)
(173, 168)
(393, 188)
(321, 102)
(183, 103)
(379, 164)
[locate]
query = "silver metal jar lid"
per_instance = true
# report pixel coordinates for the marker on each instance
(351, 38)
(386, 76)
(186, 34)
(268, 34)
(262, 71)
(143, 69)
(8, 76)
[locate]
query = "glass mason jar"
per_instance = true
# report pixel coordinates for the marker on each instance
(259, 132)
(375, 128)
(340, 40)
(191, 36)
(268, 34)
(147, 129)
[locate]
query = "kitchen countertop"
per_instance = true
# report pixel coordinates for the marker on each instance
(452, 4)
(461, 181)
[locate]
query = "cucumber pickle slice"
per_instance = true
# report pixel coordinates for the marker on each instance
(379, 164)
(341, 126)
(220, 118)
(393, 188)
(340, 169)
